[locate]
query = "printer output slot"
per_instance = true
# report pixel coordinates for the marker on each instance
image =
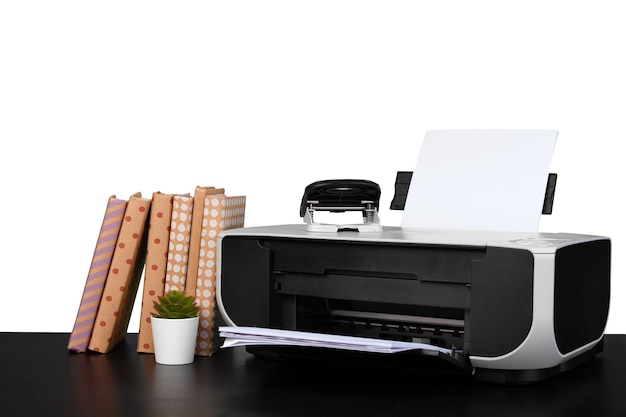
(371, 274)
(377, 289)
(339, 317)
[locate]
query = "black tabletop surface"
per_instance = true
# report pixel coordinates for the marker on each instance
(39, 377)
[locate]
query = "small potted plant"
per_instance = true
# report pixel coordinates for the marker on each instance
(174, 328)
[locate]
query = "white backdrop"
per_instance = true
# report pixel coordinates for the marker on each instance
(265, 97)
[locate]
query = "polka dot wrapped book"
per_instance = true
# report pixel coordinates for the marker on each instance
(156, 263)
(220, 212)
(178, 246)
(196, 234)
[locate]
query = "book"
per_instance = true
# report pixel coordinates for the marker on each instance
(220, 213)
(155, 266)
(96, 278)
(194, 240)
(178, 246)
(122, 282)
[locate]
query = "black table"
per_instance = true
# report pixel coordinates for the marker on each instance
(39, 377)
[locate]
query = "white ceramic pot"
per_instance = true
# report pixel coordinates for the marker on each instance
(174, 340)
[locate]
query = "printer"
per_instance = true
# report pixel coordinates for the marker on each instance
(511, 307)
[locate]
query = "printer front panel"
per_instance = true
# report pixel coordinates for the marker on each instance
(397, 291)
(482, 305)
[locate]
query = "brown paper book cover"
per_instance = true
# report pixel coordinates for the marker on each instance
(178, 246)
(156, 263)
(122, 281)
(194, 240)
(98, 270)
(220, 213)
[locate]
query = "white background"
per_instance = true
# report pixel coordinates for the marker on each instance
(265, 97)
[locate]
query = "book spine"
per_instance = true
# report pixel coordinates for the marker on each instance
(96, 278)
(156, 263)
(194, 239)
(178, 249)
(196, 234)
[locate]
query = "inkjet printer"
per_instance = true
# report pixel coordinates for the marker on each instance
(511, 307)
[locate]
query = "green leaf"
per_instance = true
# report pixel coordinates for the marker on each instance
(175, 304)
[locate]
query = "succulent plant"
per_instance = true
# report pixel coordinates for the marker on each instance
(175, 305)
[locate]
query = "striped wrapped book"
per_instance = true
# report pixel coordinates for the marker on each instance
(98, 270)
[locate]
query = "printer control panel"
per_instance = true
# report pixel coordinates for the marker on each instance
(536, 244)
(539, 242)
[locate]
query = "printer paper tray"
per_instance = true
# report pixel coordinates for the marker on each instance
(423, 361)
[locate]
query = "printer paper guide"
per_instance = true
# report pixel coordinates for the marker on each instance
(480, 180)
(242, 336)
